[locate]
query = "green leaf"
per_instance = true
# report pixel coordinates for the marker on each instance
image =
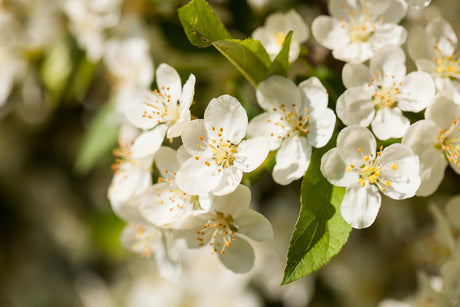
(201, 24)
(280, 65)
(248, 56)
(98, 141)
(320, 231)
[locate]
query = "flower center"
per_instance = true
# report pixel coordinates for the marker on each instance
(220, 231)
(122, 155)
(359, 24)
(280, 38)
(449, 141)
(172, 195)
(386, 92)
(222, 151)
(143, 241)
(370, 170)
(290, 122)
(160, 107)
(446, 66)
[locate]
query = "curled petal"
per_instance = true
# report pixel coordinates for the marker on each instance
(389, 123)
(251, 153)
(328, 32)
(233, 203)
(416, 92)
(195, 178)
(230, 179)
(334, 169)
(355, 75)
(355, 106)
(148, 142)
(360, 205)
(277, 91)
(239, 256)
(292, 160)
(254, 225)
(264, 125)
(169, 82)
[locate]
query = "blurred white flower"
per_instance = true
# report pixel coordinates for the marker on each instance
(436, 140)
(296, 119)
(434, 51)
(378, 94)
(223, 226)
(355, 30)
(273, 34)
(132, 176)
(88, 20)
(129, 62)
(356, 165)
(147, 242)
(160, 112)
(219, 155)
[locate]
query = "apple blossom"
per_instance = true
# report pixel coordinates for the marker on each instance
(277, 26)
(355, 32)
(378, 94)
(164, 204)
(296, 119)
(161, 112)
(219, 155)
(434, 51)
(356, 165)
(436, 140)
(223, 226)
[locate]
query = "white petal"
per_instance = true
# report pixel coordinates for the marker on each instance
(427, 66)
(388, 34)
(234, 202)
(401, 168)
(166, 161)
(277, 91)
(264, 125)
(390, 60)
(329, 33)
(292, 160)
(355, 75)
(351, 139)
(169, 82)
(360, 206)
(395, 12)
(443, 110)
(416, 92)
(421, 137)
(187, 94)
(136, 108)
(239, 256)
(175, 129)
(320, 128)
(443, 34)
(389, 123)
(296, 23)
(191, 137)
(314, 96)
(225, 115)
(231, 178)
(162, 206)
(355, 52)
(334, 169)
(254, 225)
(420, 45)
(195, 178)
(251, 153)
(148, 142)
(355, 106)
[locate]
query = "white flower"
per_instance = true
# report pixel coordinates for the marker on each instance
(296, 119)
(434, 51)
(277, 26)
(356, 165)
(162, 111)
(147, 242)
(164, 204)
(436, 140)
(89, 19)
(132, 176)
(219, 156)
(378, 94)
(129, 62)
(222, 228)
(355, 32)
